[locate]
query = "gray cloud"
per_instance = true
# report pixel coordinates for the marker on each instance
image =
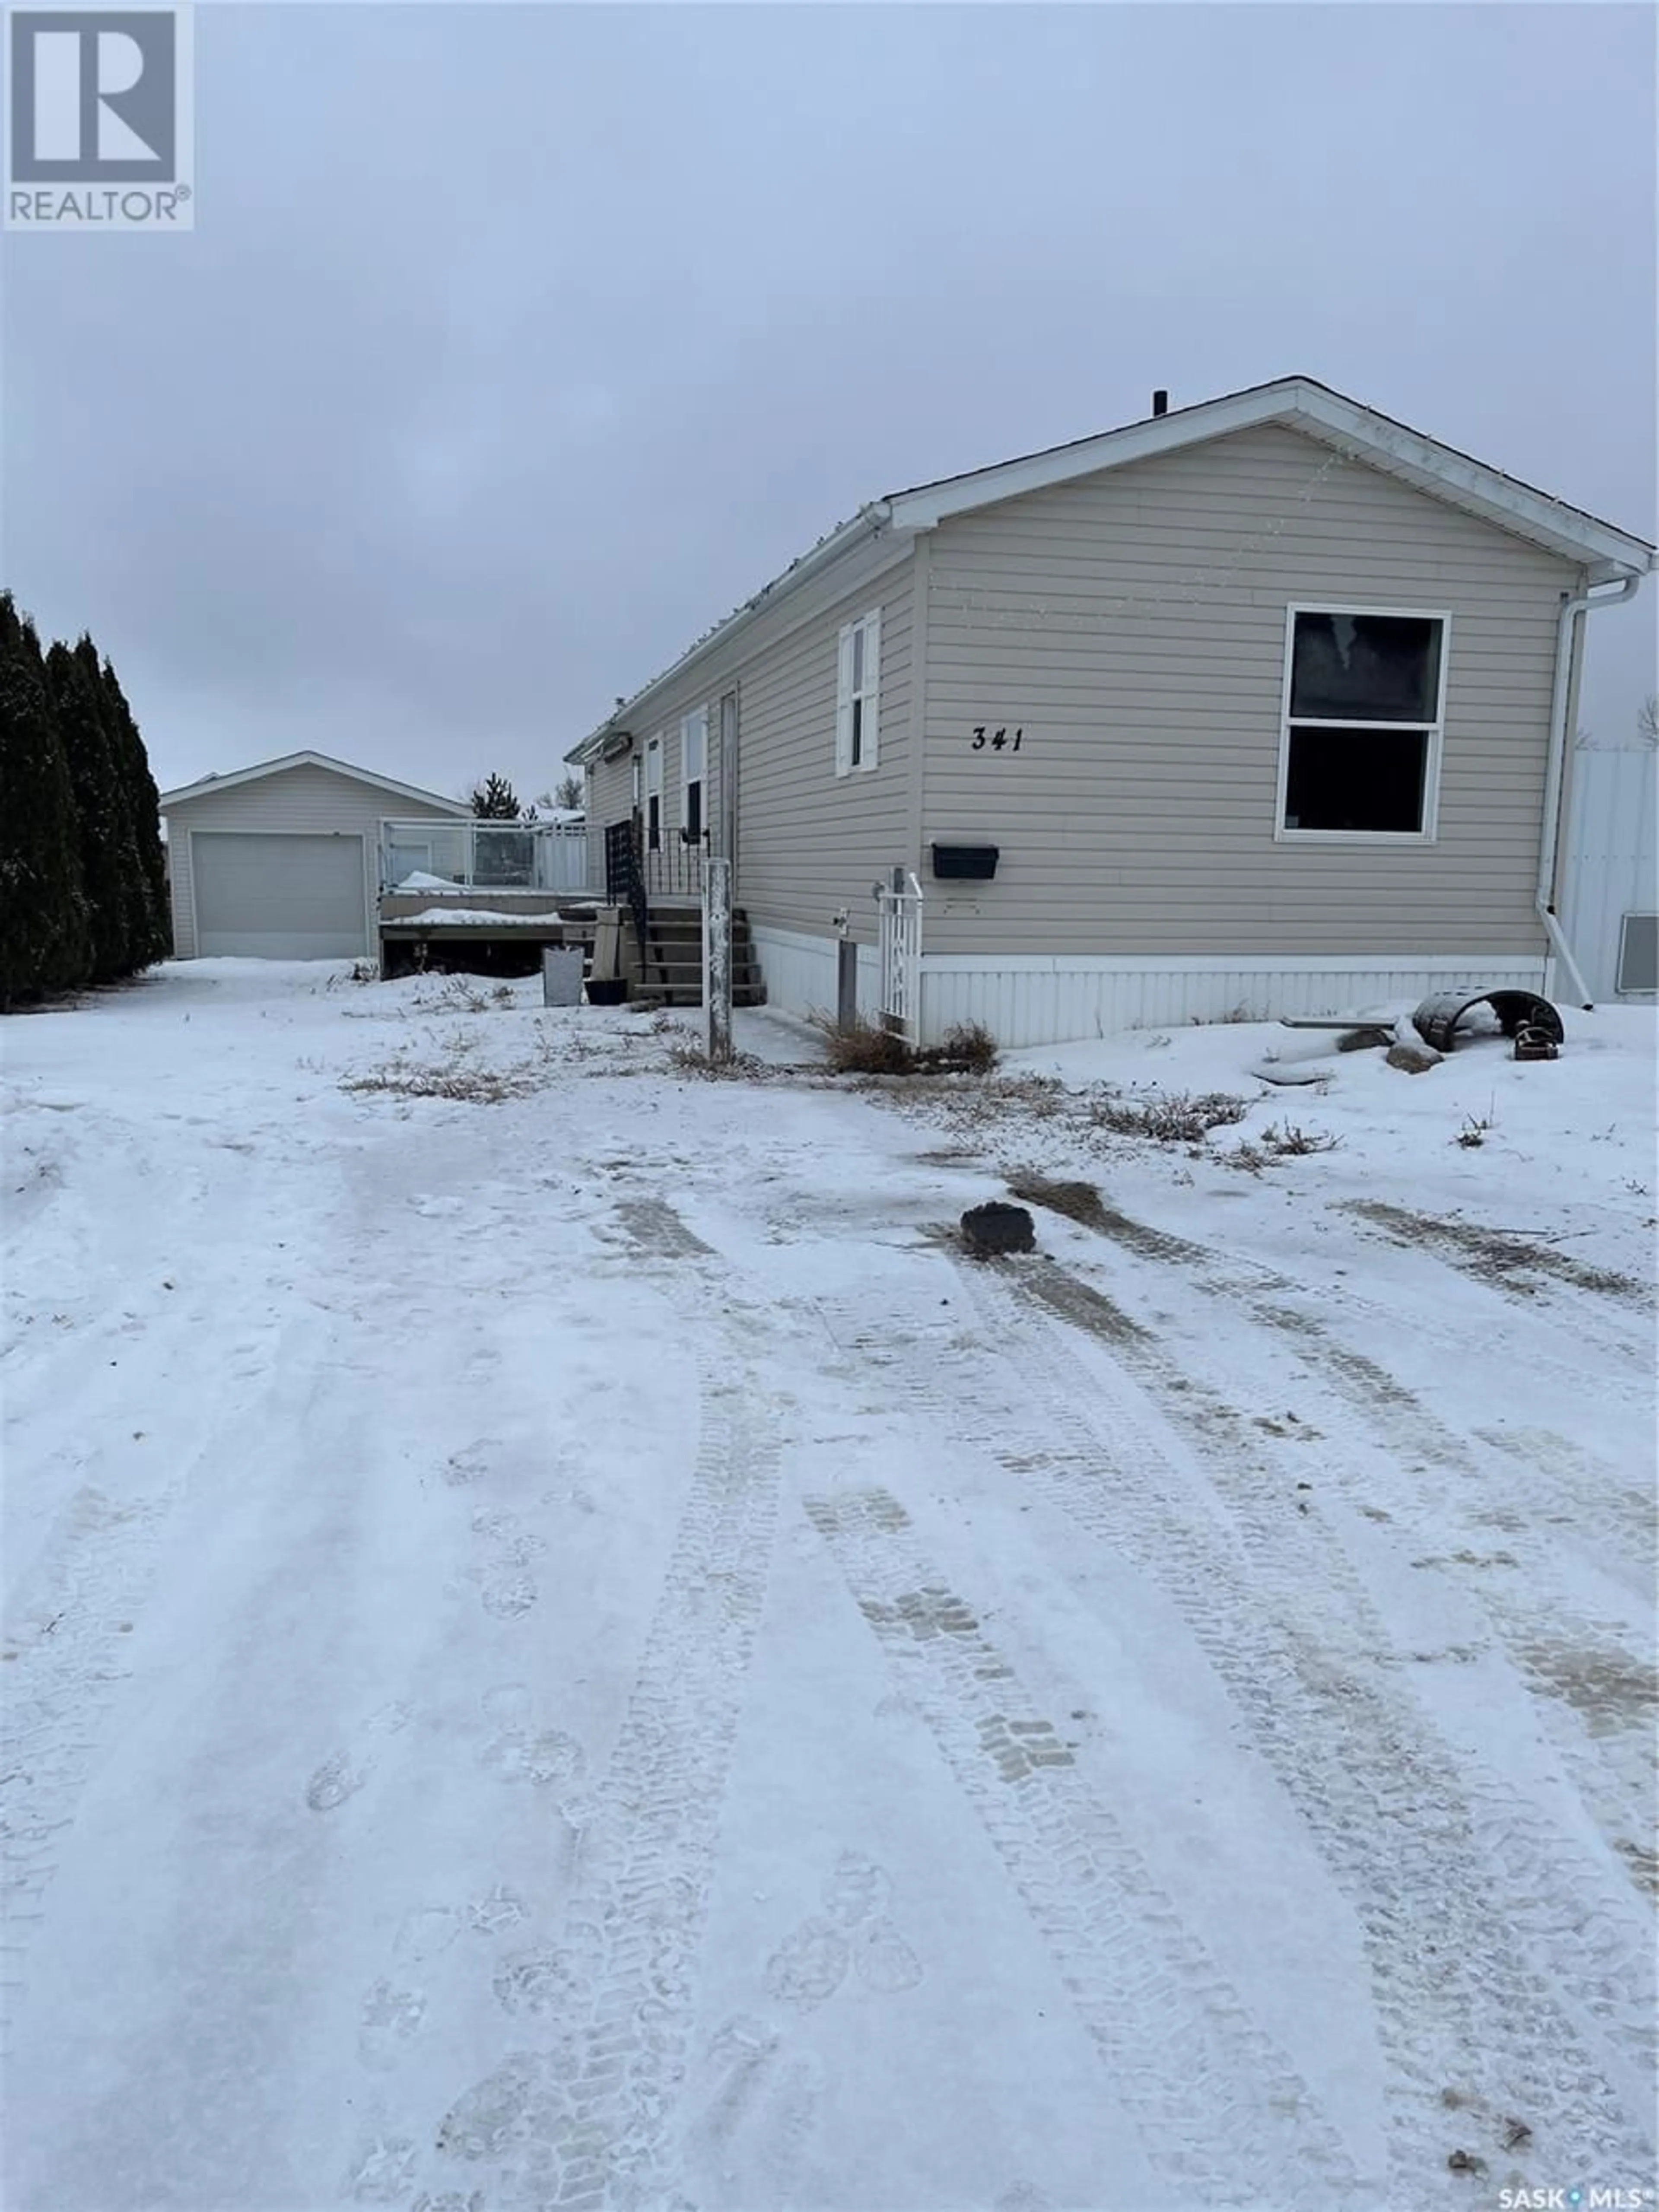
(514, 344)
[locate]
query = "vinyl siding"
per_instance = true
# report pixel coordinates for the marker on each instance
(808, 840)
(1133, 625)
(306, 799)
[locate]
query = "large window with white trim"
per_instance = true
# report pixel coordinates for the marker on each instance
(858, 695)
(1364, 712)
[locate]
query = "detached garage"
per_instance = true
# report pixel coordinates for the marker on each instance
(279, 861)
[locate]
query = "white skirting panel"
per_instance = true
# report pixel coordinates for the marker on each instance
(799, 972)
(1033, 1000)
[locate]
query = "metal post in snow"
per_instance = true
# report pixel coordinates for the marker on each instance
(717, 959)
(847, 973)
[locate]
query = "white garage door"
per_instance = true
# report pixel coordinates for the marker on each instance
(278, 898)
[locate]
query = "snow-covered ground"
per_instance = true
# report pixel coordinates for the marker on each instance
(565, 1646)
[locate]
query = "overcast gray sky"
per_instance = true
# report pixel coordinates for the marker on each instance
(514, 344)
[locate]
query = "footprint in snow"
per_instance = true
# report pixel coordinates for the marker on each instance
(497, 1911)
(384, 2171)
(551, 1758)
(508, 1596)
(537, 1981)
(808, 1966)
(853, 1932)
(343, 1774)
(390, 2019)
(883, 1961)
(856, 1888)
(471, 1463)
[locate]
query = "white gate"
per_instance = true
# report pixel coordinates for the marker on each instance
(900, 906)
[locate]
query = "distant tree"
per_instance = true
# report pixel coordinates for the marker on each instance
(495, 799)
(144, 804)
(110, 875)
(44, 945)
(1647, 720)
(569, 792)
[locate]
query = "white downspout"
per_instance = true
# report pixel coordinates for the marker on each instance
(1555, 772)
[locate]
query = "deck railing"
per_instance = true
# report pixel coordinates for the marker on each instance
(439, 856)
(670, 869)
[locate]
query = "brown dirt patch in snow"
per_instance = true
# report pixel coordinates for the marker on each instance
(1076, 1303)
(1611, 1690)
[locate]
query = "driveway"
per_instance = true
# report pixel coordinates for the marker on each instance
(566, 1647)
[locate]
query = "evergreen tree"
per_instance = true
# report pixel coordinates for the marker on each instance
(154, 940)
(43, 915)
(110, 875)
(495, 800)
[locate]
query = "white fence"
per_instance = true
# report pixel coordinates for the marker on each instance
(1611, 859)
(436, 855)
(900, 948)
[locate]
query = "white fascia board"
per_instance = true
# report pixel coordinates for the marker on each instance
(1485, 491)
(208, 784)
(1138, 442)
(864, 524)
(1323, 414)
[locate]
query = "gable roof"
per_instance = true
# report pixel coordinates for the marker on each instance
(207, 783)
(1298, 403)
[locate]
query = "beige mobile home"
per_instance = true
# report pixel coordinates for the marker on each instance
(1261, 701)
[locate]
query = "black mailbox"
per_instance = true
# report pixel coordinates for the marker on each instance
(965, 863)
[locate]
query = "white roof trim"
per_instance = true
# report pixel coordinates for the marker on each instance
(864, 524)
(1302, 404)
(200, 789)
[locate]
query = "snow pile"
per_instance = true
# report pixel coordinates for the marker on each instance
(435, 917)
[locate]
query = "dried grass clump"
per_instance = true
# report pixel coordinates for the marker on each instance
(968, 1048)
(689, 1058)
(1174, 1119)
(1287, 1140)
(453, 1077)
(862, 1047)
(1278, 1141)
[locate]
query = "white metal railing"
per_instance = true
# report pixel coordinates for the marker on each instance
(899, 904)
(437, 856)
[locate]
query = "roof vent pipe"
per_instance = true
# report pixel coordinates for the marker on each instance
(1160, 403)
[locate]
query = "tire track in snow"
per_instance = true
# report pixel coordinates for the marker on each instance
(1594, 1693)
(1580, 1666)
(1221, 2111)
(65, 1656)
(1609, 1948)
(1437, 1864)
(1567, 1485)
(1218, 1272)
(1505, 1261)
(581, 2115)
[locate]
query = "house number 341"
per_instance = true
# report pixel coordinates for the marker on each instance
(998, 740)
